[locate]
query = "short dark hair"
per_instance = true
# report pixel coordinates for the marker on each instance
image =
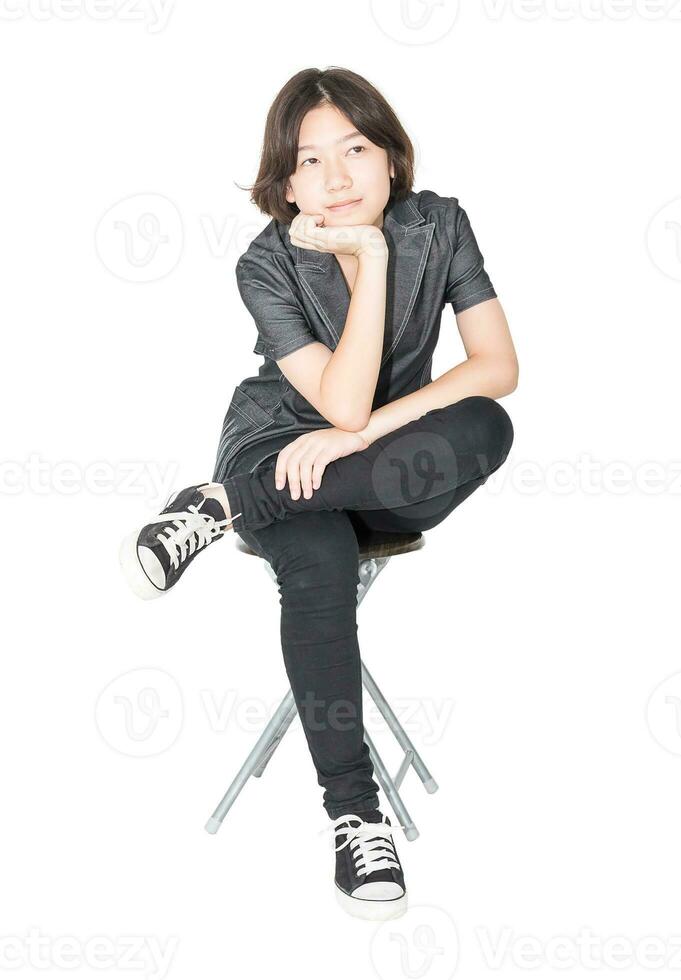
(354, 96)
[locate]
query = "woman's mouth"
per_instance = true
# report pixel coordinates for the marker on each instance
(344, 207)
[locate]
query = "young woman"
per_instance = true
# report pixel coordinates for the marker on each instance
(342, 431)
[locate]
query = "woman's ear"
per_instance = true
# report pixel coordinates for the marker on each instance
(289, 195)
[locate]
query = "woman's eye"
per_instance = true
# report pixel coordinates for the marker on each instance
(358, 147)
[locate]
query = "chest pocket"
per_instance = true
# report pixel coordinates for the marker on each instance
(244, 417)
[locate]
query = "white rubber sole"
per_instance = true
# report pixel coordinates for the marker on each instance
(135, 575)
(363, 908)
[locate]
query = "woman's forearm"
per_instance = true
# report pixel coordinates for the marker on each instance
(479, 375)
(349, 378)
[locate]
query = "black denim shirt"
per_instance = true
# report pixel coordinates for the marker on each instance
(297, 296)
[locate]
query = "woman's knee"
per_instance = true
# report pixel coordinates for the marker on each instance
(486, 427)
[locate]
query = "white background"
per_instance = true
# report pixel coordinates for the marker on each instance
(539, 621)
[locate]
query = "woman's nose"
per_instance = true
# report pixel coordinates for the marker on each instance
(337, 180)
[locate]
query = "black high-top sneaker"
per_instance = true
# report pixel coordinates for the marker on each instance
(154, 558)
(369, 878)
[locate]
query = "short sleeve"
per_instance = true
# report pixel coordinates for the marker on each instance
(467, 280)
(267, 295)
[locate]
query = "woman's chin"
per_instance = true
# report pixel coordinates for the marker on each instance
(341, 220)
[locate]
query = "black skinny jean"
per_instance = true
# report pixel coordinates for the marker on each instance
(407, 480)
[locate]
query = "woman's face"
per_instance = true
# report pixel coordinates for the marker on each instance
(336, 163)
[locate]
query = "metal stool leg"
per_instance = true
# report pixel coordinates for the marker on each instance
(411, 758)
(276, 740)
(369, 570)
(261, 751)
(390, 790)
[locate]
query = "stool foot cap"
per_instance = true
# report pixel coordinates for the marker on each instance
(431, 786)
(213, 825)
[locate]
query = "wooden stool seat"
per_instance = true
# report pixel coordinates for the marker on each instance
(372, 544)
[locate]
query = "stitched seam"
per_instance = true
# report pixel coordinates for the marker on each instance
(223, 442)
(284, 281)
(276, 352)
(225, 439)
(479, 292)
(449, 241)
(244, 414)
(309, 265)
(414, 209)
(226, 458)
(417, 283)
(425, 371)
(310, 292)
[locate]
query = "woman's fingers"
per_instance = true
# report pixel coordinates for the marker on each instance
(297, 476)
(302, 466)
(302, 231)
(318, 472)
(306, 243)
(280, 469)
(302, 224)
(299, 467)
(291, 472)
(345, 239)
(305, 470)
(293, 479)
(287, 468)
(311, 469)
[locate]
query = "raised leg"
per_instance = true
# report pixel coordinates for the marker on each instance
(425, 462)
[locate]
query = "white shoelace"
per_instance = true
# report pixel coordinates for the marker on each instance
(193, 530)
(369, 855)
